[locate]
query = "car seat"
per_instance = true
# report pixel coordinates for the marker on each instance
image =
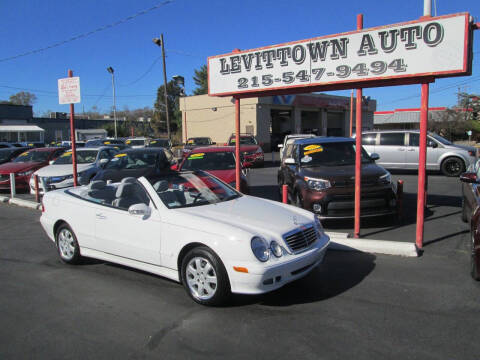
(129, 194)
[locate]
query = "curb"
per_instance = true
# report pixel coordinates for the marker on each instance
(341, 242)
(24, 203)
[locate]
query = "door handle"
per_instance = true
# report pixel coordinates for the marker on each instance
(401, 149)
(411, 150)
(100, 216)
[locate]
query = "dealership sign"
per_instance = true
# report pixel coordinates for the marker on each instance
(430, 47)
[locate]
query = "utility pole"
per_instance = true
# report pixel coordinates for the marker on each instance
(160, 42)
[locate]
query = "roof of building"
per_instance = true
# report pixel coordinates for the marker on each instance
(402, 116)
(23, 128)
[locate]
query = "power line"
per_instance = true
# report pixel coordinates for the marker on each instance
(143, 75)
(86, 34)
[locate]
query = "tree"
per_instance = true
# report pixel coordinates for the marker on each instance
(201, 80)
(159, 119)
(23, 98)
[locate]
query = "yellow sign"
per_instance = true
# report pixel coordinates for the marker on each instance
(190, 142)
(196, 156)
(128, 141)
(153, 142)
(120, 155)
(24, 154)
(106, 142)
(311, 149)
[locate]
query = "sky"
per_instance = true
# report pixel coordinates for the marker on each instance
(192, 30)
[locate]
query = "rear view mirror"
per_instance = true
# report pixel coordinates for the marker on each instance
(280, 146)
(139, 210)
(290, 161)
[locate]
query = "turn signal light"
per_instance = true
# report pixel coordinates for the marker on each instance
(240, 269)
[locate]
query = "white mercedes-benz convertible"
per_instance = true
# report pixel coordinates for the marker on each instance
(189, 227)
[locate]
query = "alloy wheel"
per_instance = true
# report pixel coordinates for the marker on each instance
(201, 278)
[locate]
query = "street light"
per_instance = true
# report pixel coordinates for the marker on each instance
(161, 43)
(111, 71)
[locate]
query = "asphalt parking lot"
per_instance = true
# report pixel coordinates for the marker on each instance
(355, 305)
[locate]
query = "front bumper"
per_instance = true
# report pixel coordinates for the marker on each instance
(21, 182)
(263, 278)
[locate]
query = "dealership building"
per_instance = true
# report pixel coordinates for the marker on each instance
(271, 118)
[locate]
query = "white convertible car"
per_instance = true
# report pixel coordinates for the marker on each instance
(189, 227)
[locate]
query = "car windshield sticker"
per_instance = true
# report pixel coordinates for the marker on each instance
(153, 142)
(196, 156)
(24, 154)
(306, 159)
(30, 144)
(68, 153)
(128, 141)
(116, 147)
(190, 142)
(106, 142)
(120, 155)
(311, 149)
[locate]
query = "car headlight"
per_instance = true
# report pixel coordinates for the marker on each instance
(385, 179)
(317, 184)
(276, 249)
(25, 173)
(260, 248)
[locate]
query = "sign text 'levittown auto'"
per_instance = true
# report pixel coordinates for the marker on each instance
(430, 47)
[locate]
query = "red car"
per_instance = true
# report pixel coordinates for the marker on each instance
(218, 161)
(250, 149)
(25, 164)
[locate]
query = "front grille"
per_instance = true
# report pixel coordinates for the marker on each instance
(300, 239)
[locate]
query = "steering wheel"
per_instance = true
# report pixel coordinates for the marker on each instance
(197, 197)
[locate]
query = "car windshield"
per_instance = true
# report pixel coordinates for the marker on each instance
(35, 156)
(159, 143)
(83, 157)
(188, 189)
(244, 140)
(209, 161)
(133, 160)
(131, 142)
(330, 154)
(199, 141)
(5, 153)
(440, 139)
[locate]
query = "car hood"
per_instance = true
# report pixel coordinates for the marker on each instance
(117, 175)
(62, 170)
(249, 148)
(17, 167)
(227, 176)
(247, 213)
(340, 173)
(464, 147)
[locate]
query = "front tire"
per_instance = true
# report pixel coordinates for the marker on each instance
(204, 277)
(67, 245)
(452, 166)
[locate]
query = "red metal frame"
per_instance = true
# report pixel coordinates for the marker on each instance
(351, 114)
(237, 144)
(358, 150)
(72, 138)
(370, 82)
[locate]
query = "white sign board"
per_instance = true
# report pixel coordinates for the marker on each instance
(69, 90)
(433, 47)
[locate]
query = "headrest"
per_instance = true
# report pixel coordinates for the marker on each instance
(129, 180)
(161, 186)
(97, 185)
(125, 190)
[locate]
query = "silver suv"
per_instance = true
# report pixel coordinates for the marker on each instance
(398, 149)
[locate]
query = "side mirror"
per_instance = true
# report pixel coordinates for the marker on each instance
(51, 162)
(290, 161)
(139, 210)
(374, 156)
(467, 177)
(280, 146)
(432, 144)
